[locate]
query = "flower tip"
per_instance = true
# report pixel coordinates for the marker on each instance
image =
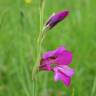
(65, 13)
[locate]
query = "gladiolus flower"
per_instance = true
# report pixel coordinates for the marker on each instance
(55, 19)
(58, 61)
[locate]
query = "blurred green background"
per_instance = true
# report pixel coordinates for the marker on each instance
(19, 28)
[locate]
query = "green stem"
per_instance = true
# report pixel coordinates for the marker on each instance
(41, 20)
(39, 48)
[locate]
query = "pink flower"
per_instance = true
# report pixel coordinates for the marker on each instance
(56, 18)
(60, 59)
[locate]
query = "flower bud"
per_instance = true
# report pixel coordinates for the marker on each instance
(55, 19)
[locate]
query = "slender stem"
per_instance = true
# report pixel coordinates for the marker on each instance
(34, 88)
(41, 19)
(39, 48)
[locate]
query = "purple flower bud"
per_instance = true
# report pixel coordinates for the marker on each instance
(56, 18)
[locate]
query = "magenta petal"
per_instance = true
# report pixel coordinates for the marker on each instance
(66, 70)
(59, 50)
(48, 54)
(60, 76)
(64, 58)
(45, 65)
(53, 53)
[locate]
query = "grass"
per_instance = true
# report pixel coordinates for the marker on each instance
(19, 25)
